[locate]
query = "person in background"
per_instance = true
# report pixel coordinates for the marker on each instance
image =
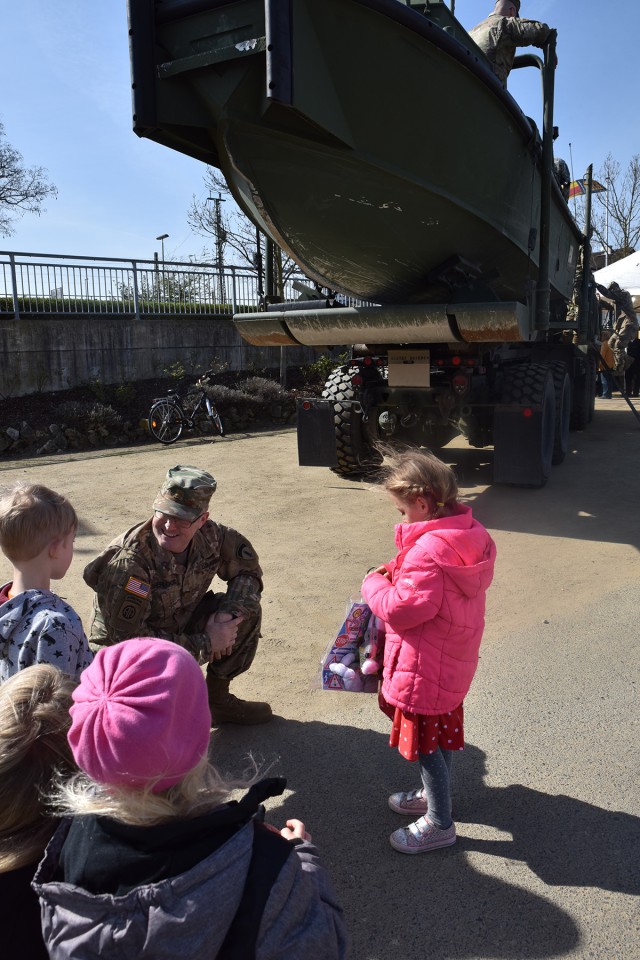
(157, 860)
(34, 719)
(502, 32)
(606, 380)
(154, 581)
(633, 373)
(625, 328)
(37, 530)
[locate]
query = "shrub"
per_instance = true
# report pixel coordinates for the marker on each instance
(125, 394)
(88, 416)
(239, 402)
(263, 389)
(222, 395)
(320, 370)
(175, 370)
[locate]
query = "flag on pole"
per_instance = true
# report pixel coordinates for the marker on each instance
(579, 187)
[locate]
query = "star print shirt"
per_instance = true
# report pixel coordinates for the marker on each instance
(38, 626)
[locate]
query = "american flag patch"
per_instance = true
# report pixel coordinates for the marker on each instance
(138, 587)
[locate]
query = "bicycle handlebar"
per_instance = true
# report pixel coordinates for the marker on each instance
(204, 377)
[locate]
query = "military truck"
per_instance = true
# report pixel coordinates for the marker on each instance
(371, 140)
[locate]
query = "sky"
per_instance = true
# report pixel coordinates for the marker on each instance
(67, 107)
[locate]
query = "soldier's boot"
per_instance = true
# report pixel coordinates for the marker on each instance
(225, 708)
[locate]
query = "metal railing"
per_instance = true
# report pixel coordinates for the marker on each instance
(35, 283)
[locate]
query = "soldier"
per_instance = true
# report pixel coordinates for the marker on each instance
(154, 581)
(625, 327)
(502, 31)
(562, 175)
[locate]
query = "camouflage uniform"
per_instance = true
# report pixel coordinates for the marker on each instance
(625, 328)
(142, 591)
(562, 175)
(498, 37)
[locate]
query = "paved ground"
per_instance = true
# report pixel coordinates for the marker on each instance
(546, 797)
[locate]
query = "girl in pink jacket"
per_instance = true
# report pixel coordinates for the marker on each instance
(432, 601)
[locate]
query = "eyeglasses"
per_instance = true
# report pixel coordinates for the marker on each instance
(177, 521)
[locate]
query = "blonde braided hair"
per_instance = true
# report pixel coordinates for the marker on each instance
(409, 474)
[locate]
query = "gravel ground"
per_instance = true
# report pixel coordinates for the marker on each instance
(546, 797)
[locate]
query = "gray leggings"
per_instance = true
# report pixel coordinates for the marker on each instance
(435, 770)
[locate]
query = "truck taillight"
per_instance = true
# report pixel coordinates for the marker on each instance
(357, 380)
(456, 361)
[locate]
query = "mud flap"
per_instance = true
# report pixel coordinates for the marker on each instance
(517, 439)
(316, 433)
(524, 426)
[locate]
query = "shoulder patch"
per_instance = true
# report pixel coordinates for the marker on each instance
(244, 552)
(130, 612)
(138, 587)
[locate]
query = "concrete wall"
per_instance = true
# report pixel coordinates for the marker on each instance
(54, 353)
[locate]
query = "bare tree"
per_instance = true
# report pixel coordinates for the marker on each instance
(22, 190)
(615, 214)
(220, 217)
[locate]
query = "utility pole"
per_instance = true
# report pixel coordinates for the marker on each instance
(220, 239)
(606, 245)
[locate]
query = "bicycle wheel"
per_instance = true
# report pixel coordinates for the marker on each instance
(214, 417)
(165, 421)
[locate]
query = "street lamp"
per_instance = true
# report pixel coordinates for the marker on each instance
(162, 237)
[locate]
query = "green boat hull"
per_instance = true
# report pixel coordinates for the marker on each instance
(371, 143)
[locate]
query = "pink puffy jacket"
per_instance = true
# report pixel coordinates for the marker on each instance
(433, 609)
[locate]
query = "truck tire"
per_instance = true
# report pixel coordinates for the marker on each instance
(562, 386)
(354, 451)
(524, 426)
(584, 397)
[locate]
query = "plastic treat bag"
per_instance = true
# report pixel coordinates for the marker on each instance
(371, 652)
(341, 664)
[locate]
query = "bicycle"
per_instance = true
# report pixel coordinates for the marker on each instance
(169, 415)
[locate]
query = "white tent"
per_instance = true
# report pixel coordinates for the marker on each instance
(625, 272)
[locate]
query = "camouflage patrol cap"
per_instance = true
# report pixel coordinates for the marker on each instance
(185, 492)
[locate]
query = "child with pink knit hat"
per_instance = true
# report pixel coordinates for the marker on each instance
(157, 860)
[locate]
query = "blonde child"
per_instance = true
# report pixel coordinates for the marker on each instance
(432, 600)
(157, 860)
(34, 719)
(37, 530)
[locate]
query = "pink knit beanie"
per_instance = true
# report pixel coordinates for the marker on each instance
(140, 715)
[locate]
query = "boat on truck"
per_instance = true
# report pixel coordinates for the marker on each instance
(371, 140)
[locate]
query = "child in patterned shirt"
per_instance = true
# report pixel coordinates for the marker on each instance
(37, 530)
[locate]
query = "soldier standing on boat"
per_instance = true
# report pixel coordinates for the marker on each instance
(502, 32)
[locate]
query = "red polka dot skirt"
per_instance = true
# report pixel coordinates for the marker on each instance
(414, 733)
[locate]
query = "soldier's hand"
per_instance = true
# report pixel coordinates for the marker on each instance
(222, 629)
